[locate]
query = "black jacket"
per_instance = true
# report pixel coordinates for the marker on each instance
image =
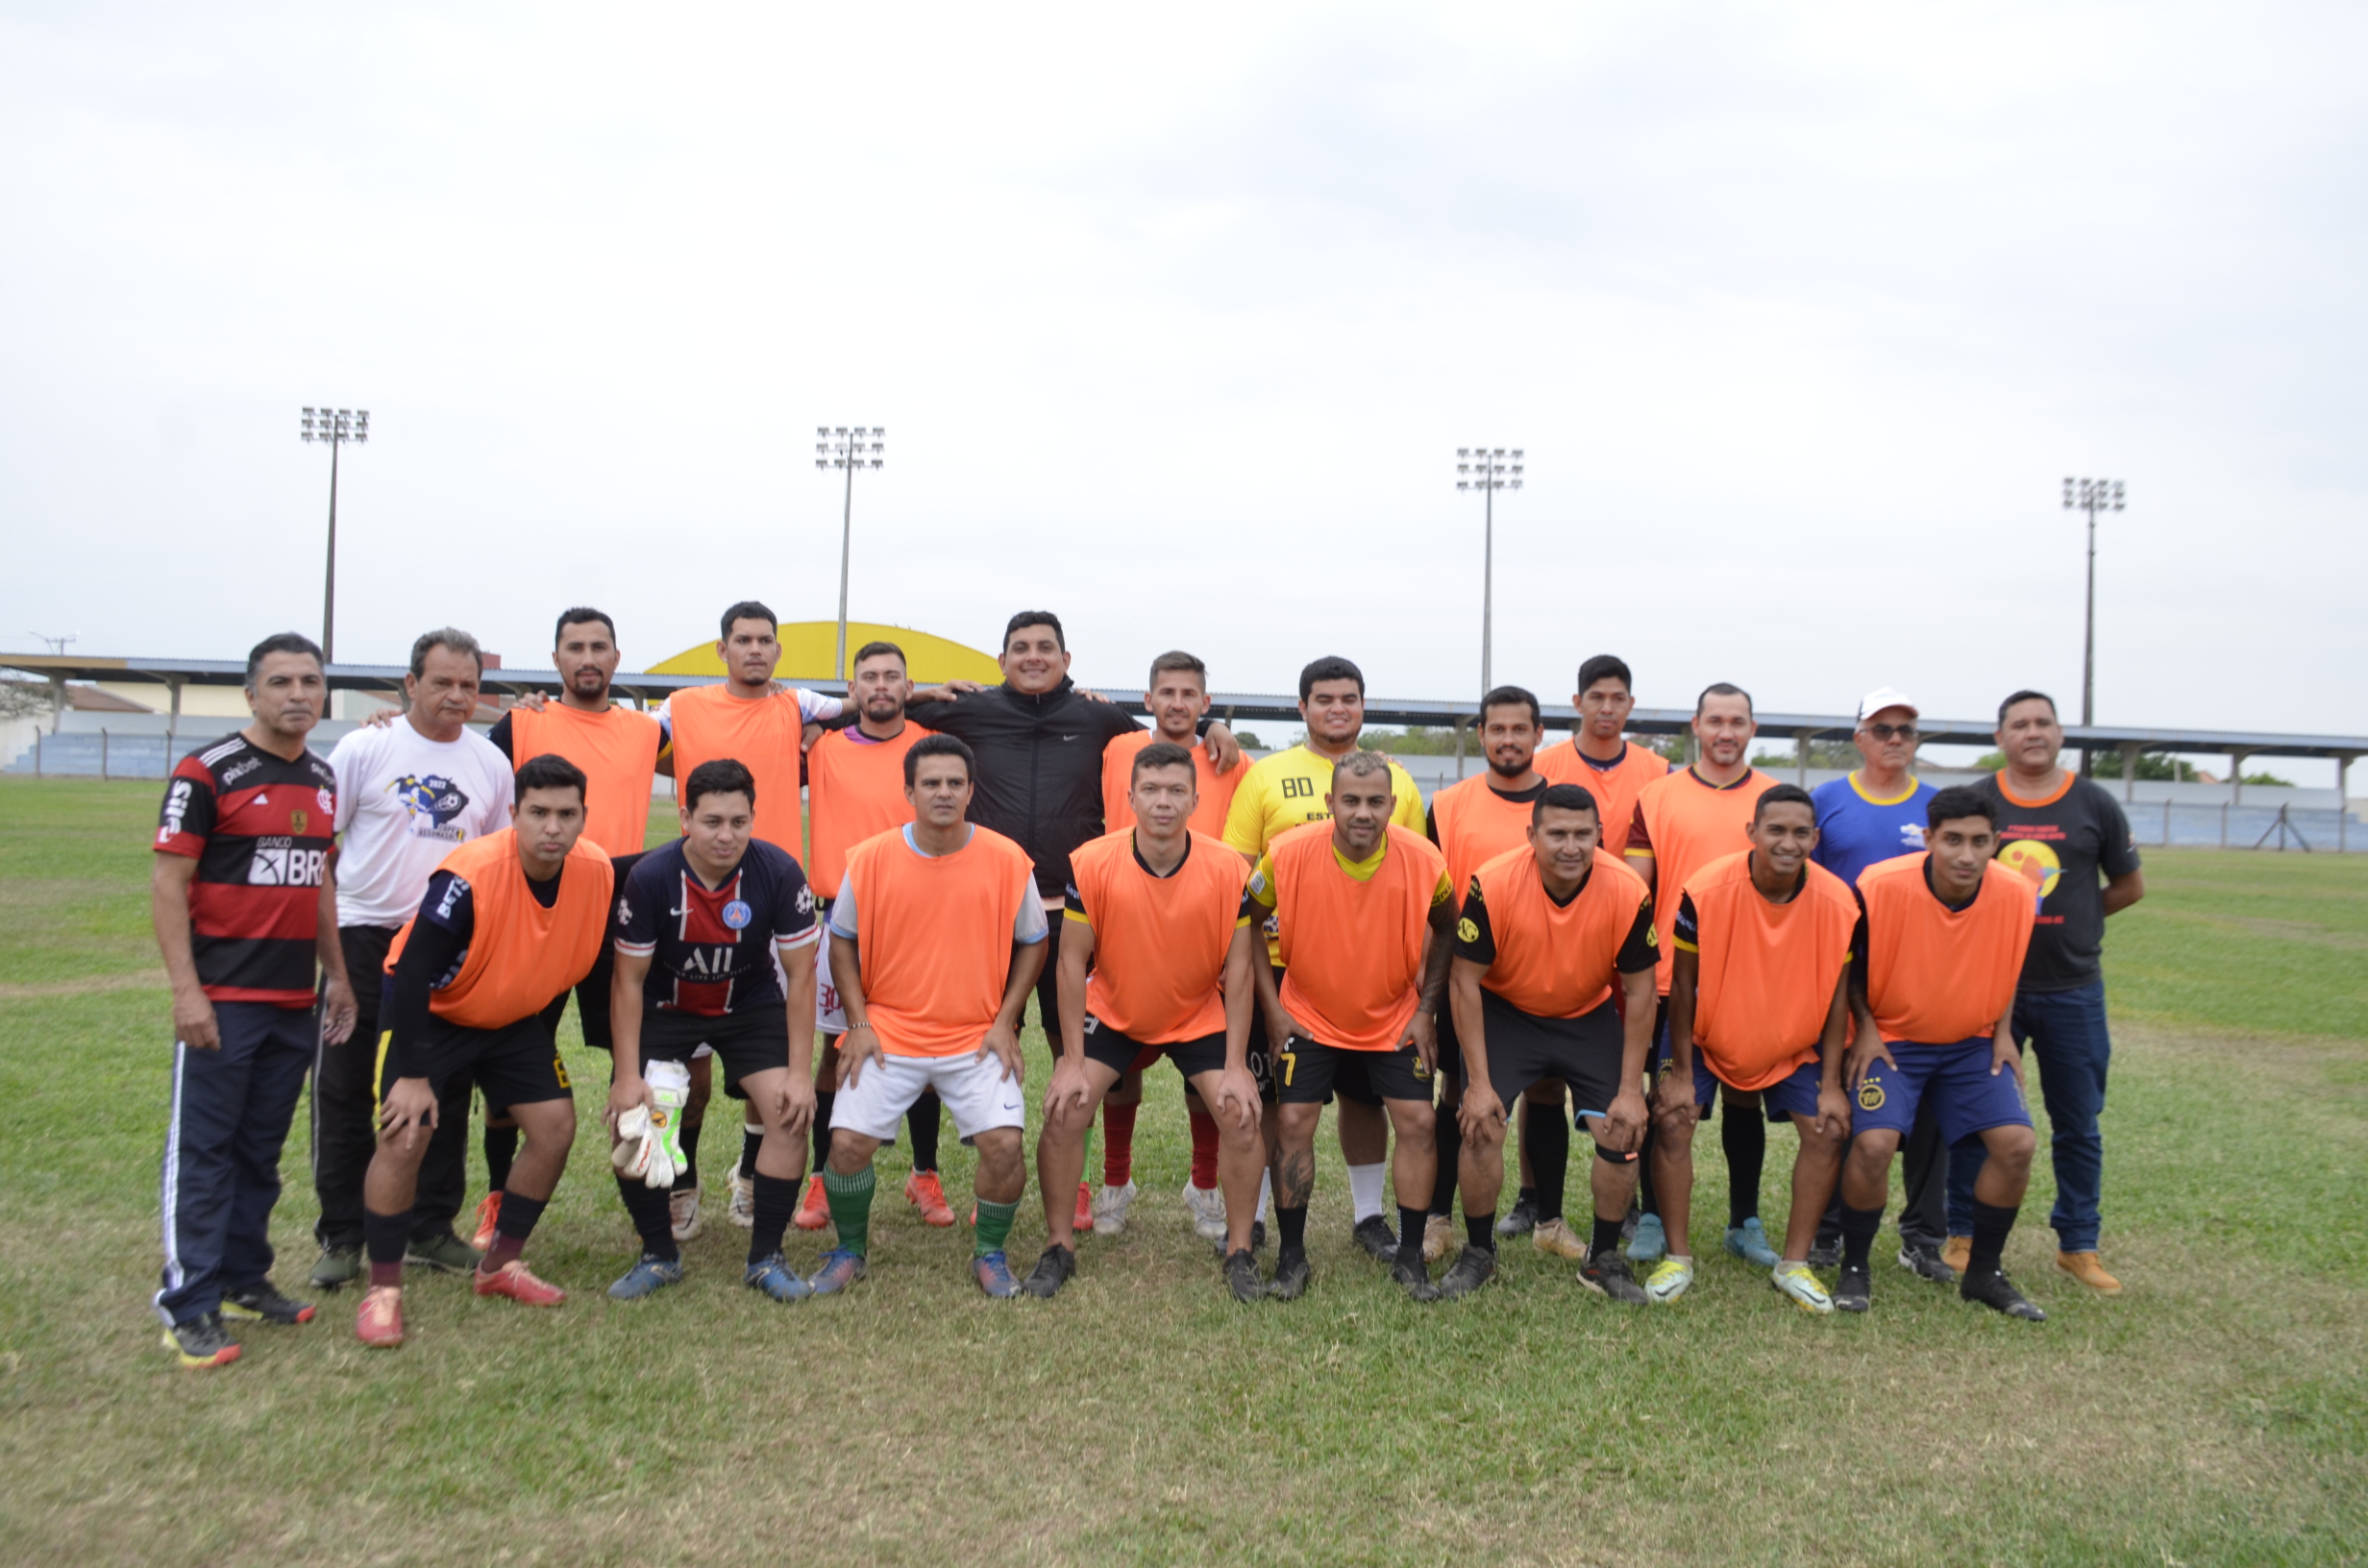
(1039, 767)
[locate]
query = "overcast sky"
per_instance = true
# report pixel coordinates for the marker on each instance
(1801, 314)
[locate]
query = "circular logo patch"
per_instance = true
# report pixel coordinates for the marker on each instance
(1870, 1096)
(2037, 861)
(1467, 930)
(737, 913)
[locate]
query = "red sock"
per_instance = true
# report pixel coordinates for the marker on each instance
(1117, 1147)
(1204, 1150)
(504, 1251)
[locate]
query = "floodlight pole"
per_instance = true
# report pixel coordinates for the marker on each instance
(337, 427)
(850, 448)
(2091, 496)
(1488, 470)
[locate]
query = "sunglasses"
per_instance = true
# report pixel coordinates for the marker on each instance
(1892, 732)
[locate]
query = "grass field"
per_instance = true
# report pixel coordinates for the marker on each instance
(2216, 1413)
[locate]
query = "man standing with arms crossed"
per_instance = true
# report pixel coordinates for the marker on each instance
(2068, 838)
(1288, 790)
(245, 907)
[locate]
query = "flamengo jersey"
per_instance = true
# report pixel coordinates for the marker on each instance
(1615, 788)
(617, 749)
(259, 828)
(1159, 942)
(1474, 825)
(1768, 970)
(1935, 975)
(707, 947)
(1352, 944)
(1556, 961)
(1215, 789)
(854, 789)
(1683, 822)
(520, 955)
(934, 935)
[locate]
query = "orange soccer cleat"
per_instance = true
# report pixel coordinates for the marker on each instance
(814, 1207)
(488, 1215)
(1084, 1220)
(379, 1322)
(927, 1193)
(512, 1280)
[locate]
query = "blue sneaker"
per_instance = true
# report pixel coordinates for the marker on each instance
(840, 1269)
(1649, 1246)
(647, 1278)
(1749, 1242)
(772, 1276)
(993, 1275)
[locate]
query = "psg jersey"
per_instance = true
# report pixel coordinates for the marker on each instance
(710, 949)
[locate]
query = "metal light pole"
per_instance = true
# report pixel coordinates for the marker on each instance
(1488, 470)
(2091, 496)
(847, 447)
(337, 427)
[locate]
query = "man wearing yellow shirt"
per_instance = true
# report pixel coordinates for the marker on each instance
(1285, 791)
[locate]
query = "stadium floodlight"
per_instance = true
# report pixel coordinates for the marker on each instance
(2090, 496)
(1488, 470)
(335, 426)
(848, 448)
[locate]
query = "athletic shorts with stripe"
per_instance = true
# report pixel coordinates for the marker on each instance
(1122, 1054)
(1584, 1052)
(1966, 1099)
(1793, 1096)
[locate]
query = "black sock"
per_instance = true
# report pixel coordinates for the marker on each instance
(1606, 1241)
(1410, 1223)
(650, 1216)
(690, 1156)
(776, 1200)
(1291, 1227)
(501, 1149)
(1480, 1230)
(520, 1214)
(385, 1237)
(822, 1100)
(1527, 1195)
(1646, 1204)
(1858, 1234)
(1744, 1134)
(1450, 1148)
(920, 1125)
(1990, 1225)
(1549, 1159)
(750, 1143)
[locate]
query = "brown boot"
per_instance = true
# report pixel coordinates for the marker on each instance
(2085, 1268)
(1956, 1252)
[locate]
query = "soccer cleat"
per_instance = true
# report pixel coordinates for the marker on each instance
(444, 1252)
(993, 1272)
(1292, 1272)
(1611, 1276)
(1081, 1221)
(1414, 1281)
(488, 1215)
(265, 1304)
(1669, 1281)
(1805, 1289)
(1207, 1207)
(1520, 1219)
(1995, 1291)
(1257, 1235)
(1922, 1258)
(1472, 1268)
(647, 1278)
(1556, 1236)
(1437, 1236)
(379, 1322)
(2085, 1268)
(1241, 1277)
(202, 1342)
(772, 1276)
(1374, 1236)
(927, 1193)
(1854, 1291)
(336, 1268)
(1110, 1209)
(512, 1280)
(740, 1208)
(814, 1205)
(1052, 1270)
(1956, 1252)
(1825, 1251)
(840, 1268)
(1749, 1242)
(682, 1210)
(1650, 1244)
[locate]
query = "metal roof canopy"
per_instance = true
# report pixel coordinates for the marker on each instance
(1237, 706)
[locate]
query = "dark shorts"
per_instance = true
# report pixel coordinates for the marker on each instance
(1966, 1099)
(514, 1065)
(746, 1044)
(1793, 1096)
(1312, 1072)
(1122, 1054)
(1583, 1052)
(592, 990)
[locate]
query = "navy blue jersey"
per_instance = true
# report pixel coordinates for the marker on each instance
(708, 946)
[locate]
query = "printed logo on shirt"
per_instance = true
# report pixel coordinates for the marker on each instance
(2037, 862)
(176, 808)
(434, 803)
(238, 771)
(455, 891)
(328, 799)
(298, 821)
(1911, 835)
(737, 913)
(1468, 929)
(278, 863)
(1870, 1096)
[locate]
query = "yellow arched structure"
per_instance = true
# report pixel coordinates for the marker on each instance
(806, 648)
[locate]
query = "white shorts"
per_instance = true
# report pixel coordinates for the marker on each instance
(976, 1094)
(828, 1015)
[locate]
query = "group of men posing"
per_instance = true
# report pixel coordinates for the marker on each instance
(1580, 931)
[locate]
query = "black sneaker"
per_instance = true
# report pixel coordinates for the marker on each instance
(1374, 1236)
(202, 1342)
(265, 1304)
(1521, 1219)
(1923, 1259)
(1415, 1280)
(1853, 1289)
(1472, 1268)
(1242, 1278)
(1052, 1270)
(1290, 1276)
(337, 1267)
(1825, 1251)
(1609, 1275)
(1995, 1291)
(446, 1254)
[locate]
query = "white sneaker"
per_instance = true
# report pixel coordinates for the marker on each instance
(1208, 1210)
(684, 1207)
(742, 1211)
(1110, 1209)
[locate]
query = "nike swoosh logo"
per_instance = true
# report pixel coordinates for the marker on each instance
(676, 913)
(1069, 737)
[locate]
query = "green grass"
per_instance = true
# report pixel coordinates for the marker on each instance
(2213, 1413)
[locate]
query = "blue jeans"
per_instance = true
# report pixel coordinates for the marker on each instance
(2063, 1031)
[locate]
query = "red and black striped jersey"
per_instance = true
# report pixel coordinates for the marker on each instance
(693, 934)
(260, 828)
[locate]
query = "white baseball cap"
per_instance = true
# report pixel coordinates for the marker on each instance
(1885, 696)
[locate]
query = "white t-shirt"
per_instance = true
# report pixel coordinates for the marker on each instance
(403, 804)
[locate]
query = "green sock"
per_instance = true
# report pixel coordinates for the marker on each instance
(994, 1226)
(851, 1208)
